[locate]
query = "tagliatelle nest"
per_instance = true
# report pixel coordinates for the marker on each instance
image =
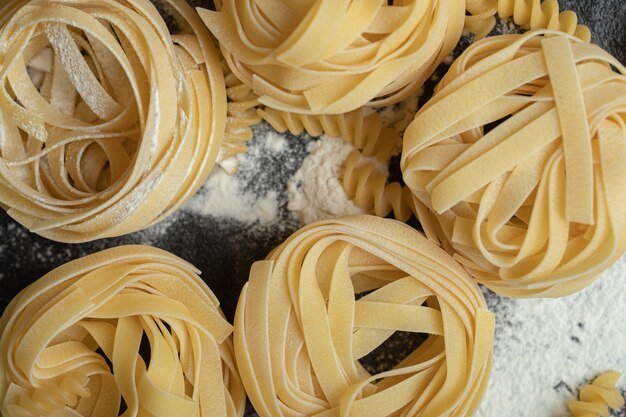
(73, 342)
(520, 156)
(108, 122)
(300, 329)
(334, 56)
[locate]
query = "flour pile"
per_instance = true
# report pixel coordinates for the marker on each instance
(236, 196)
(316, 192)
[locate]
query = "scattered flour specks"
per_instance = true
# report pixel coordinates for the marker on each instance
(545, 349)
(230, 196)
(315, 191)
(275, 142)
(222, 196)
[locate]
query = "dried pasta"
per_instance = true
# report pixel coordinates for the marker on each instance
(132, 326)
(332, 56)
(531, 14)
(595, 399)
(242, 115)
(362, 180)
(362, 129)
(519, 155)
(300, 331)
(109, 123)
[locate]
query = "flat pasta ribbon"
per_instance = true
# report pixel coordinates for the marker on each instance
(334, 56)
(520, 156)
(595, 399)
(131, 330)
(300, 329)
(108, 122)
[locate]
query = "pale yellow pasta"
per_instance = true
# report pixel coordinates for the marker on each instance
(300, 329)
(362, 180)
(132, 326)
(368, 187)
(595, 399)
(520, 156)
(242, 115)
(530, 14)
(362, 129)
(108, 122)
(334, 56)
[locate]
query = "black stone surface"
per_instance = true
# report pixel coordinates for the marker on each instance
(224, 250)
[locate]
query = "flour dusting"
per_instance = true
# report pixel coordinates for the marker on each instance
(227, 195)
(316, 192)
(546, 349)
(222, 196)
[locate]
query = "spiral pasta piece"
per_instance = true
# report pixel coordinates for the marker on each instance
(300, 331)
(364, 131)
(132, 326)
(519, 155)
(109, 123)
(367, 186)
(531, 14)
(334, 56)
(362, 179)
(595, 399)
(242, 115)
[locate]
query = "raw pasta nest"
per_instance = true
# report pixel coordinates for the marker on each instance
(74, 342)
(334, 56)
(300, 330)
(108, 122)
(520, 155)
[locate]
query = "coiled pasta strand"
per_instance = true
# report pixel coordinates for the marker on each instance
(242, 114)
(595, 399)
(530, 14)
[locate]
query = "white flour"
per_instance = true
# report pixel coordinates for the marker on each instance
(230, 196)
(222, 196)
(545, 349)
(315, 191)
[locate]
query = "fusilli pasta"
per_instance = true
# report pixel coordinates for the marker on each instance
(531, 14)
(595, 399)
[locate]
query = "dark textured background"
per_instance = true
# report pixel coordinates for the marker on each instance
(225, 249)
